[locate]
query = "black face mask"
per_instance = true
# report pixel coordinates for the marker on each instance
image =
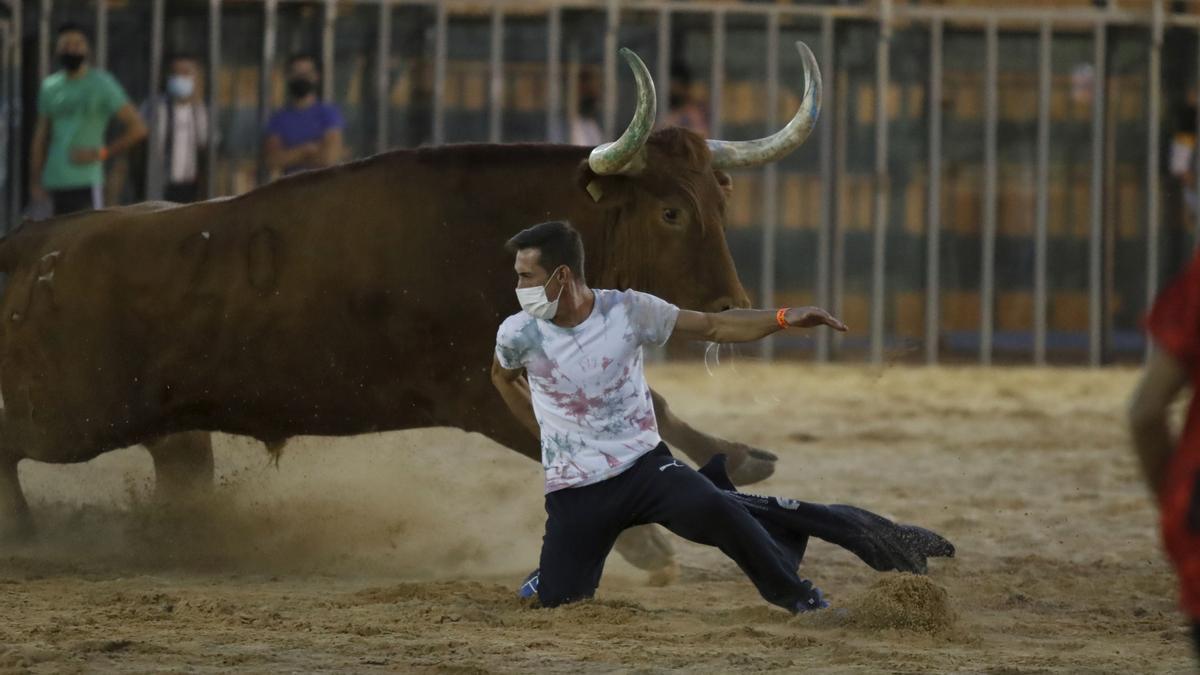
(299, 87)
(71, 62)
(588, 106)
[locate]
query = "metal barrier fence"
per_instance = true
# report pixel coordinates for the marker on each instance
(942, 201)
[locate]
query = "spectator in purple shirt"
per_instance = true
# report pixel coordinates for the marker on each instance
(307, 133)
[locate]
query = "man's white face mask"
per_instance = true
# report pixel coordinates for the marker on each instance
(181, 86)
(534, 300)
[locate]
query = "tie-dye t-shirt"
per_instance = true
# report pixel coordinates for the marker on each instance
(589, 390)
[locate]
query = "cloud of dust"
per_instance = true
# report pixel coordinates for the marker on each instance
(425, 504)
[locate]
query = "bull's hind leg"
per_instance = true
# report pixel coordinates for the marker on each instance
(16, 523)
(647, 547)
(745, 464)
(183, 465)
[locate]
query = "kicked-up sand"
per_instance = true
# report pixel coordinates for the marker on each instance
(400, 552)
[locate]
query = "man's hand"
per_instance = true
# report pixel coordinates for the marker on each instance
(85, 155)
(310, 152)
(811, 317)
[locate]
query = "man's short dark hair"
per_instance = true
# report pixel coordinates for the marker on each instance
(72, 27)
(558, 243)
(182, 56)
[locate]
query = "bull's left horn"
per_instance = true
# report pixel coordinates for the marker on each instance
(625, 155)
(742, 154)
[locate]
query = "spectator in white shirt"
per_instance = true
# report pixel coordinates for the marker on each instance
(179, 131)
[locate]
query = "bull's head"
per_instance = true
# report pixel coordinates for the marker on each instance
(666, 194)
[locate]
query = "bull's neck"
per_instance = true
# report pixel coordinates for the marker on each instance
(607, 265)
(543, 179)
(617, 259)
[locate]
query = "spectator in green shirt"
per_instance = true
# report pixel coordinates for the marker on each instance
(75, 104)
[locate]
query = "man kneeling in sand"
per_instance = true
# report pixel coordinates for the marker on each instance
(606, 467)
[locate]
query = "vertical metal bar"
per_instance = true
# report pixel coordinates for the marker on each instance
(270, 16)
(1196, 152)
(828, 188)
(439, 75)
(770, 180)
(383, 79)
(1095, 248)
(613, 26)
(157, 21)
(8, 36)
(1153, 83)
(496, 75)
(718, 73)
(17, 136)
(1040, 290)
(101, 33)
(554, 76)
(664, 60)
(572, 79)
(933, 228)
(45, 44)
(879, 252)
(842, 115)
(155, 161)
(327, 49)
(214, 72)
(987, 284)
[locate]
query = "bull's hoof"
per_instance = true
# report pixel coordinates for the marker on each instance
(758, 465)
(664, 576)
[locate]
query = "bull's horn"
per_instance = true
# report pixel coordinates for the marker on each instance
(625, 155)
(742, 154)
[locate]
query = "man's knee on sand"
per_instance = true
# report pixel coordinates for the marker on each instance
(564, 584)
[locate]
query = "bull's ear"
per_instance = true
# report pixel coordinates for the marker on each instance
(725, 181)
(606, 191)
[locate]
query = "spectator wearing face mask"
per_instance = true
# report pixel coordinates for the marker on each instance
(307, 132)
(75, 104)
(684, 109)
(178, 134)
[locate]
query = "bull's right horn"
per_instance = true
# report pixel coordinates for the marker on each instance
(743, 154)
(626, 155)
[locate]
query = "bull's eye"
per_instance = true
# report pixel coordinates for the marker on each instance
(671, 216)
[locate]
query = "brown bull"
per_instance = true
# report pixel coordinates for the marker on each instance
(355, 299)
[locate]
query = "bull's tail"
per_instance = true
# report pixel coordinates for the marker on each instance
(275, 450)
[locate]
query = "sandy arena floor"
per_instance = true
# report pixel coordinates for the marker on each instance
(400, 552)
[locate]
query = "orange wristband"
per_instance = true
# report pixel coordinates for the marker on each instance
(779, 318)
(103, 154)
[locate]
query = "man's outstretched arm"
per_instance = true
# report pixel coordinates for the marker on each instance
(748, 325)
(1161, 382)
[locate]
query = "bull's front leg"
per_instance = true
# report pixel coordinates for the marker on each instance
(16, 522)
(183, 465)
(746, 464)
